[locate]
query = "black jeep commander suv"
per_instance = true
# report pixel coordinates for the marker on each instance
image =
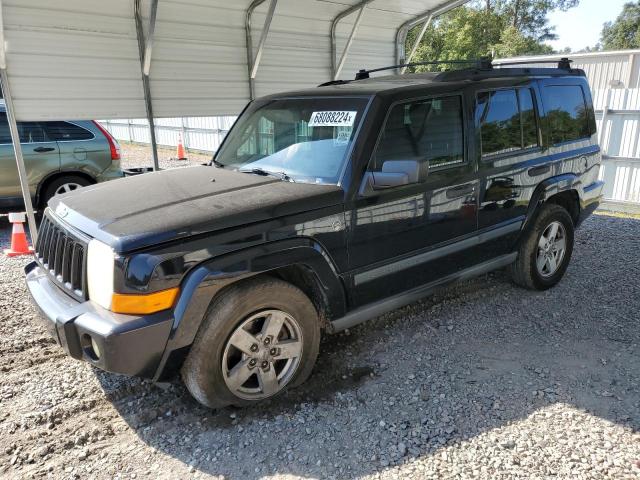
(323, 208)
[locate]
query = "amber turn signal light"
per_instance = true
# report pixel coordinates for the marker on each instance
(143, 304)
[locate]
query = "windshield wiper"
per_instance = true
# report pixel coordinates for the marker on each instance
(217, 163)
(260, 171)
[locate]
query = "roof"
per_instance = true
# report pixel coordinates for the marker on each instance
(80, 59)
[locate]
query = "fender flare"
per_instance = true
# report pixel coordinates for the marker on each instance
(204, 281)
(550, 187)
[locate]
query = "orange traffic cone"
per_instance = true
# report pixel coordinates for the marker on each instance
(180, 153)
(19, 244)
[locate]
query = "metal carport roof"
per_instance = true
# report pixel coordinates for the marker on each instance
(85, 59)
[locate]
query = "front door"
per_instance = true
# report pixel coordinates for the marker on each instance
(41, 157)
(399, 236)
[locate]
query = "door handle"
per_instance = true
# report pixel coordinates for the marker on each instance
(43, 149)
(541, 170)
(460, 191)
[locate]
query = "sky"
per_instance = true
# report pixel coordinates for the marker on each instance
(580, 26)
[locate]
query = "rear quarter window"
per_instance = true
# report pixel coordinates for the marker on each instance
(65, 131)
(568, 116)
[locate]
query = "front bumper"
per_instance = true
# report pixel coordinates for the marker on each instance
(128, 344)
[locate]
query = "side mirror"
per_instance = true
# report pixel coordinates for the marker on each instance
(394, 173)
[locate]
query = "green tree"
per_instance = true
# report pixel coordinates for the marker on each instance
(513, 42)
(530, 16)
(624, 33)
(499, 28)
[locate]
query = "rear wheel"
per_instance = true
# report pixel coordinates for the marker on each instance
(258, 338)
(60, 185)
(545, 250)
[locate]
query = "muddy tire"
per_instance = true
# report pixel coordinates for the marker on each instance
(258, 338)
(545, 249)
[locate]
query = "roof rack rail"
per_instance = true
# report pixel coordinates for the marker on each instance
(482, 63)
(334, 82)
(564, 63)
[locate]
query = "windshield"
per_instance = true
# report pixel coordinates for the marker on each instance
(301, 139)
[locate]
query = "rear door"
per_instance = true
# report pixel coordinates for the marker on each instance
(41, 158)
(80, 148)
(400, 236)
(509, 156)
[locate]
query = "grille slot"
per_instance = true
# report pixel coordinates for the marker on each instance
(62, 254)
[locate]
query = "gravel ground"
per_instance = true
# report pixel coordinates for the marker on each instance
(482, 380)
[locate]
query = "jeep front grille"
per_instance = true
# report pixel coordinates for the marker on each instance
(63, 255)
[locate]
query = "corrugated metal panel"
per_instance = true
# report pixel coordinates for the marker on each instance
(602, 68)
(69, 59)
(78, 59)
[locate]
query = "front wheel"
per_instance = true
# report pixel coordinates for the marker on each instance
(258, 338)
(545, 250)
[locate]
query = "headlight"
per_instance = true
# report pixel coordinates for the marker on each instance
(100, 265)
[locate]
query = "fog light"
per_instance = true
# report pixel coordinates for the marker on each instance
(90, 347)
(95, 348)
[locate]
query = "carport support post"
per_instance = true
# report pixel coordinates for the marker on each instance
(347, 47)
(358, 7)
(401, 34)
(145, 48)
(416, 43)
(254, 62)
(15, 136)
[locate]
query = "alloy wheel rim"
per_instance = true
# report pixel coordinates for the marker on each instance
(262, 355)
(552, 246)
(67, 187)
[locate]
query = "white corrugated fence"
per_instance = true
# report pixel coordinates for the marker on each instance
(198, 133)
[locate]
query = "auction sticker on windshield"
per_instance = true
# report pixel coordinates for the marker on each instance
(332, 119)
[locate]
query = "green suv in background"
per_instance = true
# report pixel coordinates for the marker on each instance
(59, 157)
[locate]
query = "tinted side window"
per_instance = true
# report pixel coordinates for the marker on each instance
(567, 113)
(65, 131)
(499, 119)
(507, 120)
(30, 132)
(425, 130)
(5, 134)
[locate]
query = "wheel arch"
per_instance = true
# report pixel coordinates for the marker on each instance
(564, 190)
(302, 262)
(569, 200)
(46, 181)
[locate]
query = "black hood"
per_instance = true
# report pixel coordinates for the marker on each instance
(148, 209)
